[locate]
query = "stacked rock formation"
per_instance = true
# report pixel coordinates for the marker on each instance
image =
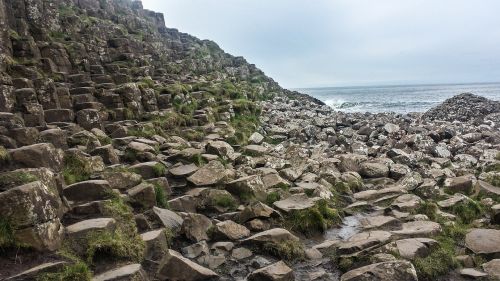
(131, 151)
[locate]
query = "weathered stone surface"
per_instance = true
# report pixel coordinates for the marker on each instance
(210, 174)
(274, 235)
(34, 210)
(463, 184)
(418, 229)
(169, 219)
(88, 191)
(176, 267)
(127, 272)
(143, 195)
(231, 230)
(195, 226)
(183, 170)
(392, 270)
(81, 229)
(256, 210)
(247, 187)
(492, 268)
(275, 272)
(38, 155)
(379, 222)
(413, 247)
(483, 241)
(32, 273)
(295, 202)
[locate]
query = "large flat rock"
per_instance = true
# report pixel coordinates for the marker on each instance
(483, 241)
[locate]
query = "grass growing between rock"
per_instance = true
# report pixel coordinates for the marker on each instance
(468, 211)
(7, 238)
(429, 209)
(289, 250)
(161, 197)
(116, 245)
(4, 155)
(442, 259)
(122, 244)
(225, 201)
(273, 197)
(315, 219)
(159, 169)
(75, 170)
(78, 271)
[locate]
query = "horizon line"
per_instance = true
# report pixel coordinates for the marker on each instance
(394, 85)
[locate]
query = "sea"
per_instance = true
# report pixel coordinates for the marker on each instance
(399, 99)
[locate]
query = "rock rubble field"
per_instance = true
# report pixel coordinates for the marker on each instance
(132, 151)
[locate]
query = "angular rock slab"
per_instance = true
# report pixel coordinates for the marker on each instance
(156, 244)
(418, 229)
(177, 268)
(379, 222)
(210, 174)
(295, 202)
(492, 268)
(38, 155)
(275, 235)
(392, 270)
(128, 272)
(91, 190)
(275, 272)
(412, 247)
(33, 272)
(483, 241)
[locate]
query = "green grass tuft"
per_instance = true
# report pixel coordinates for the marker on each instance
(289, 250)
(7, 238)
(75, 170)
(159, 169)
(4, 155)
(113, 246)
(315, 219)
(225, 201)
(439, 262)
(468, 211)
(273, 197)
(429, 209)
(75, 272)
(161, 197)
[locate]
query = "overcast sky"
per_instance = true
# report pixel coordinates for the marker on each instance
(314, 43)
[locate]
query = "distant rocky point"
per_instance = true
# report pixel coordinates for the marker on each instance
(464, 107)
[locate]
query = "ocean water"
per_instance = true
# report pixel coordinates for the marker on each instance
(400, 99)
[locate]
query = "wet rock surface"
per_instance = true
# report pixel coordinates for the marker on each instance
(131, 151)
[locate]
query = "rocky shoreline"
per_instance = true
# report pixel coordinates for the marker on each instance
(131, 151)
